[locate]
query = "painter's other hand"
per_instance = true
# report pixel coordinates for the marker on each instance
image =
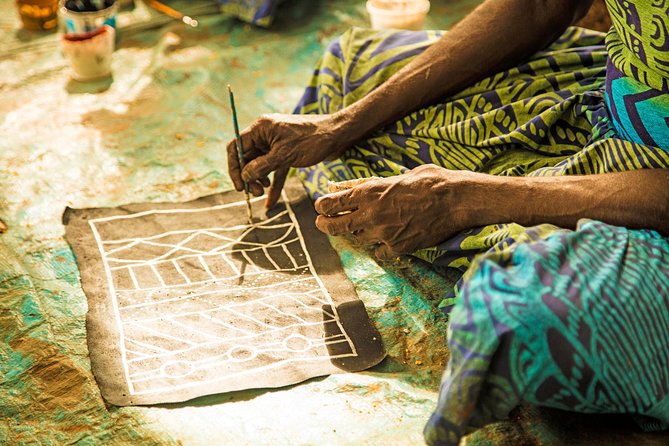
(400, 214)
(277, 142)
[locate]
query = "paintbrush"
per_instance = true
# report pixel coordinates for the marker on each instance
(158, 6)
(240, 152)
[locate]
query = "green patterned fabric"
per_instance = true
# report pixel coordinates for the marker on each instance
(576, 320)
(545, 117)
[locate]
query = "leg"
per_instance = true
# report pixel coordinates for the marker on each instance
(578, 321)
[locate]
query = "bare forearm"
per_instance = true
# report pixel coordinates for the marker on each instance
(637, 199)
(497, 35)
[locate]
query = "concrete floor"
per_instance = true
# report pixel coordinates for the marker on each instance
(157, 132)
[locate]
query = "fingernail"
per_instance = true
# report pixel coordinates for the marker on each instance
(246, 176)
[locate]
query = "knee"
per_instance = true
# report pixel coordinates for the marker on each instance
(500, 301)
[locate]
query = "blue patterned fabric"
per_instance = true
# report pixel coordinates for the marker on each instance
(578, 321)
(637, 75)
(257, 12)
(639, 113)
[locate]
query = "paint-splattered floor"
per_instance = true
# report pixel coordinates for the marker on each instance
(157, 133)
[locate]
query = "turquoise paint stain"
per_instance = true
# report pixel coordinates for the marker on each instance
(402, 299)
(65, 265)
(309, 54)
(88, 441)
(11, 282)
(16, 365)
(30, 311)
(396, 290)
(410, 303)
(347, 259)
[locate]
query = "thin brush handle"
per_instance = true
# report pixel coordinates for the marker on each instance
(240, 148)
(161, 7)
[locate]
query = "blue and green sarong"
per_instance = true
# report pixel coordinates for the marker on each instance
(576, 320)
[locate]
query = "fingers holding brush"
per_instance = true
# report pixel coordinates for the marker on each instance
(256, 187)
(233, 166)
(250, 152)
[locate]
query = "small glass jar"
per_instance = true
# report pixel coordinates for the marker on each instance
(38, 15)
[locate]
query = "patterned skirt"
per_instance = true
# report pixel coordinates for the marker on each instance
(575, 320)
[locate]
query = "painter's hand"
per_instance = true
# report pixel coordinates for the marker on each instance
(276, 142)
(401, 214)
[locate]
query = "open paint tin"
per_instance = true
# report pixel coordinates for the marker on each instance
(89, 54)
(88, 30)
(85, 21)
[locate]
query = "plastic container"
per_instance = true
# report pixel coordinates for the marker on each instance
(398, 14)
(85, 22)
(89, 54)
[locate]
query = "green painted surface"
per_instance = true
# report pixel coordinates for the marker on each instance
(157, 133)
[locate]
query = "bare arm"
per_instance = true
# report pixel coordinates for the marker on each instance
(429, 204)
(496, 35)
(636, 199)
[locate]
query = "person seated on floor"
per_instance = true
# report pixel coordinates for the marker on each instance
(529, 154)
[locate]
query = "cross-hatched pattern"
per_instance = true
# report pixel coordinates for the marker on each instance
(209, 303)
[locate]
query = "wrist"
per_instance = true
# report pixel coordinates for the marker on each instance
(346, 128)
(561, 201)
(483, 199)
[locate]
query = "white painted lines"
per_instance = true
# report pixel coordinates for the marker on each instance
(185, 316)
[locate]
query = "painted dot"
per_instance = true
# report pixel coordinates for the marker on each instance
(242, 353)
(177, 369)
(296, 343)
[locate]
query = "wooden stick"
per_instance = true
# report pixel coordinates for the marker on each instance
(161, 7)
